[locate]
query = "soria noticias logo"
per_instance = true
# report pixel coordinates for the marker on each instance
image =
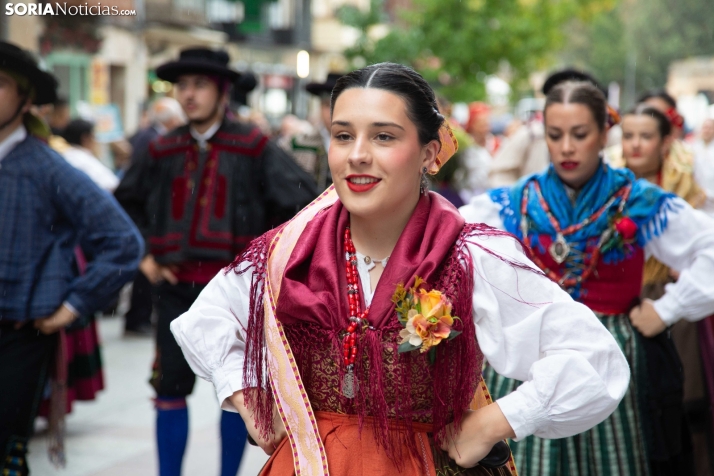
(51, 9)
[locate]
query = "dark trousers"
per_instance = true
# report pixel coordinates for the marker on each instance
(141, 304)
(172, 376)
(25, 354)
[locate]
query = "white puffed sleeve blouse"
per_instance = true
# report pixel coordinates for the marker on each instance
(574, 374)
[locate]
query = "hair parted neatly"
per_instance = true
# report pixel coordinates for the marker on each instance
(659, 94)
(579, 92)
(406, 83)
(664, 126)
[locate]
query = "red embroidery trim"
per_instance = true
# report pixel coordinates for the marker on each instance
(623, 193)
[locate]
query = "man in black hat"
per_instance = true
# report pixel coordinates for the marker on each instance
(310, 149)
(243, 86)
(324, 92)
(201, 194)
(526, 152)
(48, 209)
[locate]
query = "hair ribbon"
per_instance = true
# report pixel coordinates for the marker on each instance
(449, 146)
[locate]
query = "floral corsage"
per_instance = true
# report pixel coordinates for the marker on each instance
(622, 234)
(426, 317)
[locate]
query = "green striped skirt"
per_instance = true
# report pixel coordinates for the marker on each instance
(615, 447)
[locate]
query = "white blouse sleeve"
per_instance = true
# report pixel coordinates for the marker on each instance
(529, 329)
(212, 333)
(686, 245)
(481, 209)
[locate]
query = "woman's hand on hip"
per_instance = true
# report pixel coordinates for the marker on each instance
(480, 430)
(279, 432)
(645, 319)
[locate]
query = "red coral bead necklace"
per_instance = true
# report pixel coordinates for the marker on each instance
(358, 319)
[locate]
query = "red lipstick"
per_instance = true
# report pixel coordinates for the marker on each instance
(367, 184)
(569, 165)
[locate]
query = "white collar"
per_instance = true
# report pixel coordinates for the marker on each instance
(203, 138)
(17, 136)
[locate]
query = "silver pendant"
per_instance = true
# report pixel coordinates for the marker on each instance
(559, 249)
(348, 384)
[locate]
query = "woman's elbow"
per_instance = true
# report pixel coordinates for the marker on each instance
(618, 375)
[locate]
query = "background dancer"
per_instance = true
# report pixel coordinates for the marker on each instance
(589, 227)
(200, 195)
(646, 140)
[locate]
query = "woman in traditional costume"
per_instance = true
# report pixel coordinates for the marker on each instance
(591, 228)
(358, 329)
(677, 151)
(646, 140)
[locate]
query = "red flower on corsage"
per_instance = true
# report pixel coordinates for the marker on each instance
(626, 228)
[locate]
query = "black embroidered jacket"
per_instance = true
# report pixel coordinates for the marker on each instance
(196, 205)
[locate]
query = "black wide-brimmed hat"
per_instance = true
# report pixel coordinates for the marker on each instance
(570, 74)
(324, 89)
(23, 63)
(245, 84)
(198, 61)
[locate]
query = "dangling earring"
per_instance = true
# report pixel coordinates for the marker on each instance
(424, 185)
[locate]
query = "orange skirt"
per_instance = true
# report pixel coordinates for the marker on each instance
(350, 453)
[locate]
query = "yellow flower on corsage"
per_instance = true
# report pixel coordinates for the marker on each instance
(426, 317)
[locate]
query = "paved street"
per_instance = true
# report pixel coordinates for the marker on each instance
(114, 435)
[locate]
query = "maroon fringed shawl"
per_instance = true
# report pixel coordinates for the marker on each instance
(313, 300)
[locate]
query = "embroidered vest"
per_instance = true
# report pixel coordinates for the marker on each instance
(205, 205)
(612, 288)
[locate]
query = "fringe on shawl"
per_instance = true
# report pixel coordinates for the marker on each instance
(659, 221)
(456, 371)
(649, 226)
(258, 393)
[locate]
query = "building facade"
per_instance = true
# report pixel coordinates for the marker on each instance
(106, 62)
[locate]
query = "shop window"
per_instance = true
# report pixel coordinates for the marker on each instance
(72, 71)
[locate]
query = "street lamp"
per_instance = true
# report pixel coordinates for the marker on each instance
(303, 64)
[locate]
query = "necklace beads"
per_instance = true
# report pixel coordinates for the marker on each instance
(357, 319)
(559, 249)
(623, 193)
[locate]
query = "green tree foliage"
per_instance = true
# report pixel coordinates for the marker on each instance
(635, 42)
(456, 43)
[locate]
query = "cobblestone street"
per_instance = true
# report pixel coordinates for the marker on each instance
(114, 435)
